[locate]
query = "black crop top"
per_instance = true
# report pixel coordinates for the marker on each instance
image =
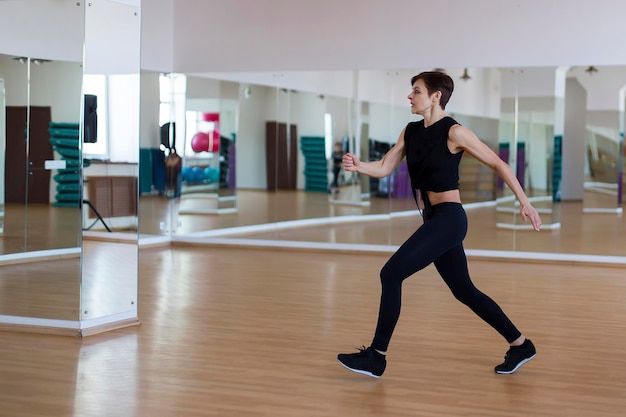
(432, 167)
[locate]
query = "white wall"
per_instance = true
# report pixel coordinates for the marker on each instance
(260, 35)
(15, 81)
(602, 87)
(387, 121)
(149, 132)
(56, 84)
(479, 96)
(573, 174)
(531, 82)
(202, 88)
(54, 30)
(2, 151)
(251, 163)
(115, 51)
(335, 83)
(157, 19)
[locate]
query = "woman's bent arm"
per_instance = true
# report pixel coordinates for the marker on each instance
(377, 169)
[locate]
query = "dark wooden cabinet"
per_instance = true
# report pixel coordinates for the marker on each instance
(26, 179)
(281, 156)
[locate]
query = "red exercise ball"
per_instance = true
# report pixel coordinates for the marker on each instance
(200, 142)
(206, 142)
(211, 117)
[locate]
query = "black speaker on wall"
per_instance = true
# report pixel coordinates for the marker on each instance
(90, 119)
(168, 135)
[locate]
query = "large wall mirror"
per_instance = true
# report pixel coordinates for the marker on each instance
(62, 91)
(39, 95)
(40, 240)
(522, 113)
(188, 160)
(111, 127)
(602, 90)
(532, 120)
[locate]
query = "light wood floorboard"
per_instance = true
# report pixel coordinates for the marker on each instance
(242, 332)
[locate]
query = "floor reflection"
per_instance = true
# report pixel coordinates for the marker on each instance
(109, 279)
(39, 227)
(45, 289)
(579, 233)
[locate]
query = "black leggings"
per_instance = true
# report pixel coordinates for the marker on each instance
(438, 240)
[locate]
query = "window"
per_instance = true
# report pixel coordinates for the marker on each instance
(118, 117)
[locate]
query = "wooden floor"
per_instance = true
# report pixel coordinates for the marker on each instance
(255, 332)
(248, 332)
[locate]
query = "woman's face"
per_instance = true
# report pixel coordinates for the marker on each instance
(419, 98)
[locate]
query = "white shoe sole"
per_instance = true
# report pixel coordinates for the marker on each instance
(517, 367)
(358, 371)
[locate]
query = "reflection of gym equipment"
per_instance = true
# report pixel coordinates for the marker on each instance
(200, 175)
(110, 197)
(64, 138)
(315, 163)
(206, 141)
(99, 217)
(203, 170)
(172, 161)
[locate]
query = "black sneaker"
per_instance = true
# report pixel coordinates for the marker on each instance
(516, 357)
(366, 361)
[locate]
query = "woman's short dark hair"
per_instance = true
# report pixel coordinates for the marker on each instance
(436, 81)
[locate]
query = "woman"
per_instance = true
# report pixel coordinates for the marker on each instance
(433, 148)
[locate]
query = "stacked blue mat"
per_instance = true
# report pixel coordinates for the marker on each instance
(65, 140)
(315, 163)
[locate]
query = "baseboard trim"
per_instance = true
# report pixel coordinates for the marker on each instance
(121, 324)
(26, 328)
(486, 255)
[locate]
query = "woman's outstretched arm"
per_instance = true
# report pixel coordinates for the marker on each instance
(462, 138)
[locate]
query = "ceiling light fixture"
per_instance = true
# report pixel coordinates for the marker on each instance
(465, 75)
(36, 61)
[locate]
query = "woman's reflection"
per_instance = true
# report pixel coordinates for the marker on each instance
(336, 157)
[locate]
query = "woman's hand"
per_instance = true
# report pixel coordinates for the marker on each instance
(528, 212)
(351, 162)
